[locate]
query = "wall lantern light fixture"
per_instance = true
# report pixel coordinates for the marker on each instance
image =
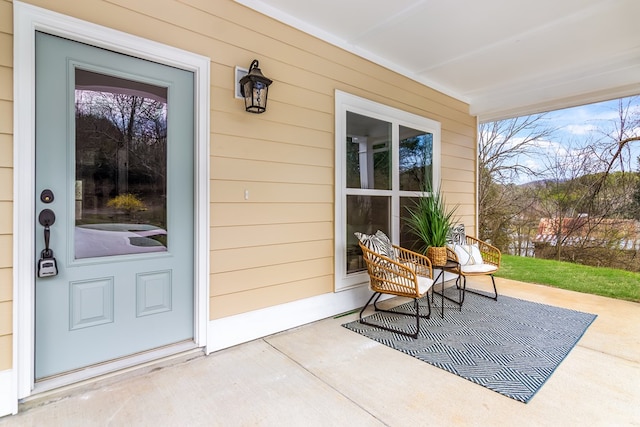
(254, 88)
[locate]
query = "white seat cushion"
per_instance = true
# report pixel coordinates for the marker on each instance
(478, 268)
(424, 284)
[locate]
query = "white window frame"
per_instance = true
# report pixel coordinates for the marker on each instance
(346, 102)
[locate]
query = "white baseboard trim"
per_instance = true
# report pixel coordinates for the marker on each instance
(8, 396)
(241, 328)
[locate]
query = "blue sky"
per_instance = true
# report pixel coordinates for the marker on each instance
(580, 126)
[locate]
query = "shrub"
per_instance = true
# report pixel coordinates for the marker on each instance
(127, 202)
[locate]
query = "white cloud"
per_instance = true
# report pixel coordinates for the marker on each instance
(582, 129)
(551, 148)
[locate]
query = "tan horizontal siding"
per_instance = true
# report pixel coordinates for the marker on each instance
(244, 126)
(6, 251)
(272, 275)
(6, 16)
(6, 50)
(6, 116)
(6, 91)
(233, 191)
(6, 217)
(461, 175)
(6, 318)
(459, 153)
(238, 214)
(455, 141)
(226, 260)
(6, 184)
(240, 302)
(6, 150)
(6, 287)
(262, 235)
(252, 149)
(461, 200)
(255, 170)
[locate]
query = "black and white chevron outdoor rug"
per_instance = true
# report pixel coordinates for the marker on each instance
(510, 346)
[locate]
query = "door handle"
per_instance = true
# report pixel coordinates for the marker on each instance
(47, 218)
(47, 265)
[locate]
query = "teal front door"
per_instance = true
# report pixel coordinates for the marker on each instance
(114, 166)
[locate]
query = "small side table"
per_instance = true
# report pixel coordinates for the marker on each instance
(451, 266)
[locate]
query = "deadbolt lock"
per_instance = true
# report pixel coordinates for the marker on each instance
(46, 196)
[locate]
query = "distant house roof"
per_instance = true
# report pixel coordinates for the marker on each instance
(595, 232)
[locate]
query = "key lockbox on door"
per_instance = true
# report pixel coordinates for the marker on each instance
(47, 265)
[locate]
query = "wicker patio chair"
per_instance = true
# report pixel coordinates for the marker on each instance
(475, 258)
(408, 275)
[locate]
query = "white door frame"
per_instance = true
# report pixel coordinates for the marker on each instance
(27, 20)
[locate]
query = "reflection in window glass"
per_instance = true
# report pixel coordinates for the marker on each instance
(366, 214)
(415, 159)
(368, 152)
(121, 166)
(407, 238)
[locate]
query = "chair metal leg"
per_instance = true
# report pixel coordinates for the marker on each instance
(461, 290)
(495, 290)
(377, 296)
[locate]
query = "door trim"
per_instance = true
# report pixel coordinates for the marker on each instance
(27, 20)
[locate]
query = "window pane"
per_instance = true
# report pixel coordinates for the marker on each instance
(121, 166)
(415, 159)
(407, 238)
(366, 214)
(368, 152)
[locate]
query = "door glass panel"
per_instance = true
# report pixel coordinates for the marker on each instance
(366, 214)
(368, 152)
(121, 166)
(415, 159)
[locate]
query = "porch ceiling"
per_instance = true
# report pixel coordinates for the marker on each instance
(504, 58)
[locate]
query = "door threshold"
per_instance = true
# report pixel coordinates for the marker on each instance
(96, 376)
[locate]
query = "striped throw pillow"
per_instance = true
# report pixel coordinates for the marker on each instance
(378, 243)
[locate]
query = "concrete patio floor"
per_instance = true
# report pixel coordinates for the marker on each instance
(322, 374)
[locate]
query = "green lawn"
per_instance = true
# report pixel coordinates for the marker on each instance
(607, 282)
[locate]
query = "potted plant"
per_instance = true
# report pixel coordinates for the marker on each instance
(430, 221)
